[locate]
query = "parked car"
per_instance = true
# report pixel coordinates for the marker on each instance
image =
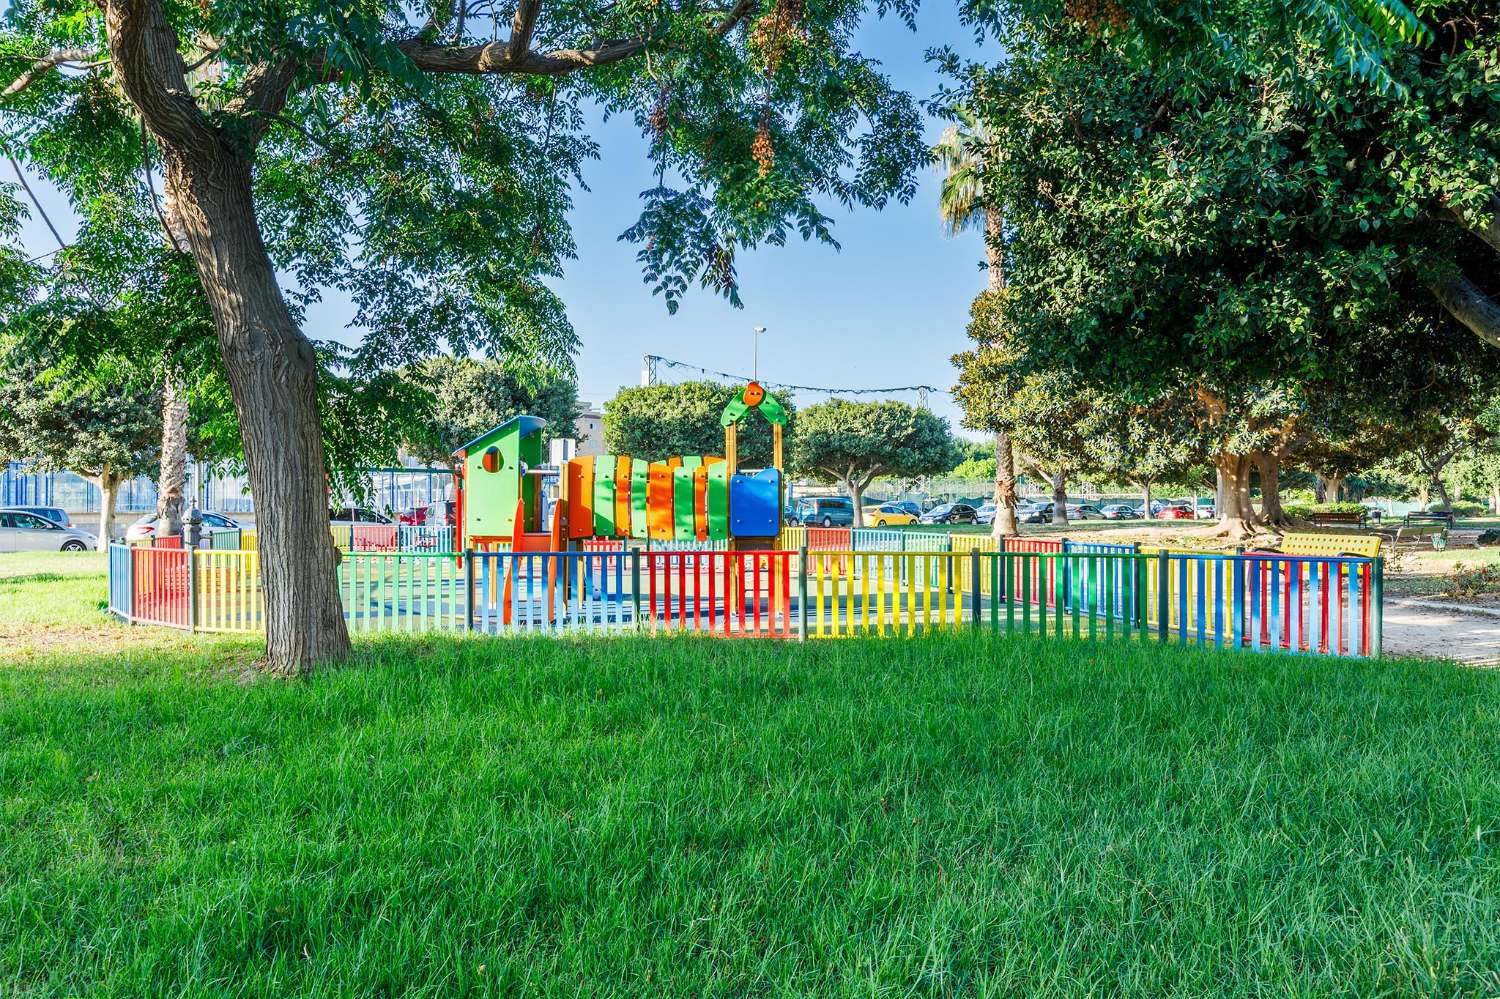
(909, 506)
(985, 514)
(24, 531)
(443, 513)
(1177, 511)
(951, 513)
(1085, 511)
(1205, 511)
(1035, 513)
(826, 511)
(415, 517)
(56, 514)
(1120, 511)
(887, 515)
(346, 515)
(145, 528)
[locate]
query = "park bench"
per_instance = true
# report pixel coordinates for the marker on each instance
(1331, 545)
(1425, 519)
(1337, 519)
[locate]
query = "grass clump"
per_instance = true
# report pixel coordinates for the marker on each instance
(956, 816)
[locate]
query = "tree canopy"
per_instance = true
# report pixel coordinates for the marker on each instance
(853, 443)
(469, 397)
(655, 422)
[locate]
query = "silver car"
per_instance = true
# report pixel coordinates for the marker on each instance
(21, 531)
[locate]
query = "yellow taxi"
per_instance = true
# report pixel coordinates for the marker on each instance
(888, 515)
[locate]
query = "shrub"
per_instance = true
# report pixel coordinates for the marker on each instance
(1459, 509)
(1305, 510)
(1469, 581)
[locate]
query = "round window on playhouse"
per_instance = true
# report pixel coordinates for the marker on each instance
(491, 460)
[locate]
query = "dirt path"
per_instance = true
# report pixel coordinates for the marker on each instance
(1414, 630)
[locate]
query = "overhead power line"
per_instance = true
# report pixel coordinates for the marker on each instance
(653, 362)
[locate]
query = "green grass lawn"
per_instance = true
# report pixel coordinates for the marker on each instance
(695, 817)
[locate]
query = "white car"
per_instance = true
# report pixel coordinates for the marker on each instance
(21, 531)
(985, 514)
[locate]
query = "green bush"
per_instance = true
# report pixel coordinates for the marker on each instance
(1459, 509)
(1305, 510)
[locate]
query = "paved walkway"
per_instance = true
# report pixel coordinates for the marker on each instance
(1414, 630)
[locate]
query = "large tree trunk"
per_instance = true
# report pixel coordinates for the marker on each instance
(1269, 466)
(172, 479)
(856, 493)
(273, 376)
(108, 482)
(1005, 489)
(1146, 501)
(1423, 497)
(1233, 471)
(1241, 487)
(1060, 498)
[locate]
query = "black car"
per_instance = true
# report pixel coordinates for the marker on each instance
(951, 513)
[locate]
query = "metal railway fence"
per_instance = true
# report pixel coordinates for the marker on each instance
(1256, 601)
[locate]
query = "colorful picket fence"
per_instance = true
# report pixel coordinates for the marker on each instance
(1258, 601)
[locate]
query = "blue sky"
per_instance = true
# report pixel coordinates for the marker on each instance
(889, 308)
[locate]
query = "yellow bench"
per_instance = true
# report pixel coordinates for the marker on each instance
(1331, 545)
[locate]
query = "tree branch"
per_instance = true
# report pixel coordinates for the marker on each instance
(1468, 303)
(1489, 233)
(736, 14)
(495, 57)
(522, 26)
(47, 64)
(143, 50)
(263, 95)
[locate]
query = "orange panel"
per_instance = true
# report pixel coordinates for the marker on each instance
(675, 461)
(581, 500)
(711, 459)
(622, 496)
(659, 501)
(700, 502)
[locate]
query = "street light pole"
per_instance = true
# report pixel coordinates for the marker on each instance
(755, 356)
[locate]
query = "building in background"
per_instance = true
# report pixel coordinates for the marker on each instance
(589, 430)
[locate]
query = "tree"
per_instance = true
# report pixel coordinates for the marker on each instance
(1048, 416)
(962, 153)
(853, 443)
(1247, 227)
(69, 421)
(448, 151)
(470, 397)
(657, 421)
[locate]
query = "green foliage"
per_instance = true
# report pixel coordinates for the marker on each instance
(974, 468)
(1469, 581)
(68, 419)
(853, 443)
(456, 187)
(470, 397)
(655, 422)
(1305, 510)
(1459, 508)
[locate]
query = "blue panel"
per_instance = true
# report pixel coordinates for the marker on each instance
(754, 504)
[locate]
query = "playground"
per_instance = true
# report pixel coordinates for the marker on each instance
(696, 544)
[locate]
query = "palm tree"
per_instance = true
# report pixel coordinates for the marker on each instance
(962, 154)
